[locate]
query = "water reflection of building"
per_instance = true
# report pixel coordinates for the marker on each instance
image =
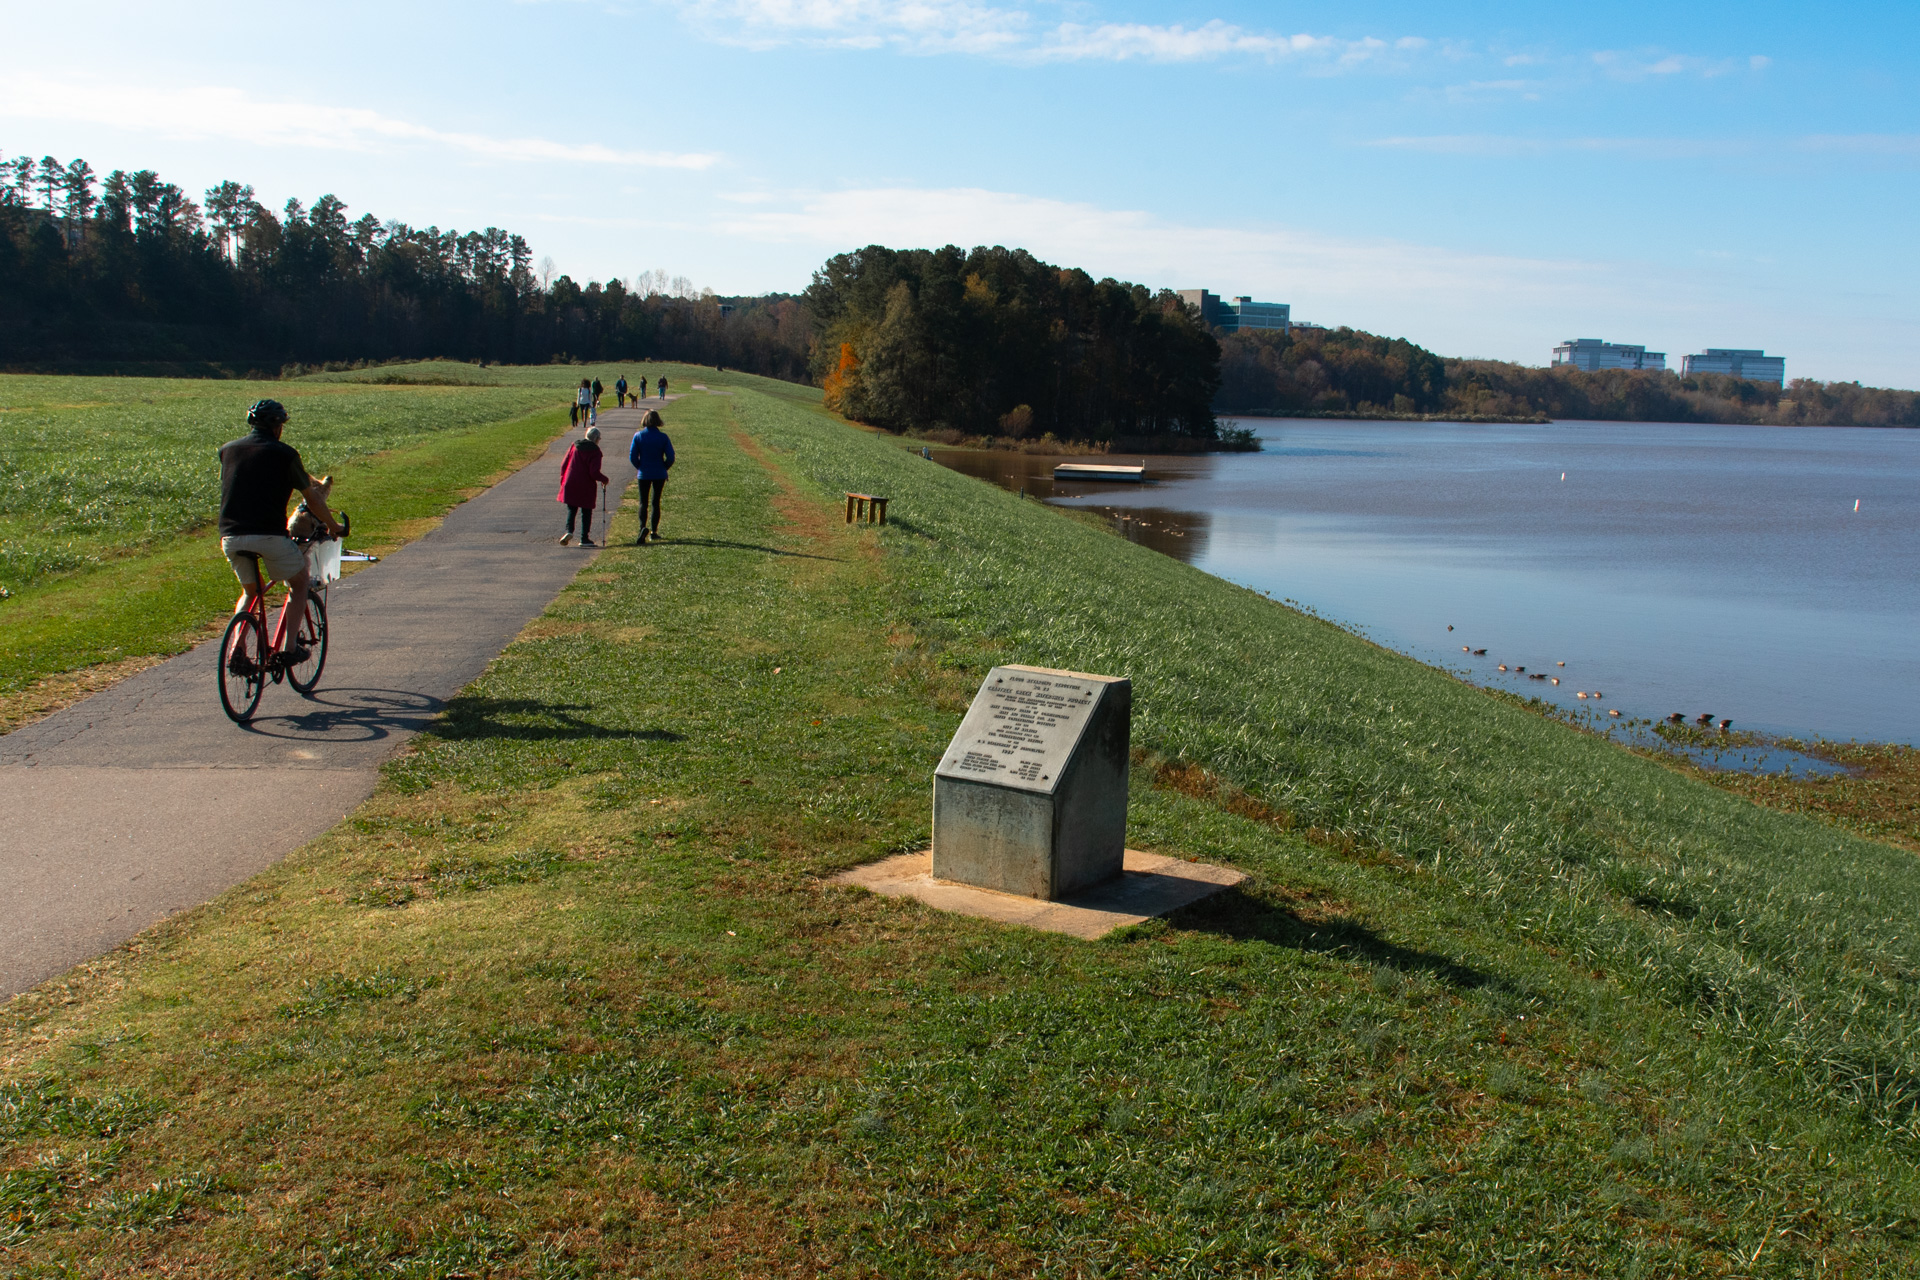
(1736, 362)
(1235, 314)
(1593, 355)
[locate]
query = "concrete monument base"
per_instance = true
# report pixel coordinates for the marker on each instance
(1149, 885)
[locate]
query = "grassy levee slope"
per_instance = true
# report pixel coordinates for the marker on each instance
(1779, 933)
(569, 997)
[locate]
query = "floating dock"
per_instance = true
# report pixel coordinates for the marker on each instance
(1100, 471)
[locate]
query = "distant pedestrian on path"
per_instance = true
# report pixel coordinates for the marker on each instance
(620, 392)
(598, 391)
(578, 476)
(652, 456)
(663, 386)
(583, 401)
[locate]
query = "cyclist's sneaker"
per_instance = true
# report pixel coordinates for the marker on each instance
(241, 665)
(296, 654)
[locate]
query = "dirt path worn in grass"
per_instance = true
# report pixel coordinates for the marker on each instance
(144, 799)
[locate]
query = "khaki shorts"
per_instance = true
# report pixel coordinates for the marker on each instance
(281, 555)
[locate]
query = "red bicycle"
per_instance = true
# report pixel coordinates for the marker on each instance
(251, 656)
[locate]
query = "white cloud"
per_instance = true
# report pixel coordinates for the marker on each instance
(1328, 278)
(1891, 146)
(213, 111)
(1481, 90)
(1120, 42)
(1640, 65)
(1899, 145)
(1498, 145)
(1014, 34)
(1504, 305)
(924, 26)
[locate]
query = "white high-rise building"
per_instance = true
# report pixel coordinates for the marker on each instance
(1737, 362)
(1594, 354)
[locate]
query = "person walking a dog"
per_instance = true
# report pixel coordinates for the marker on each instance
(579, 473)
(651, 454)
(620, 392)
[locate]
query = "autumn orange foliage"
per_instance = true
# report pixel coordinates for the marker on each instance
(840, 381)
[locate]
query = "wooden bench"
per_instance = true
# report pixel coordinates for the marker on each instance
(870, 508)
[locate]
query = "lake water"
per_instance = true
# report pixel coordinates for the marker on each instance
(1672, 568)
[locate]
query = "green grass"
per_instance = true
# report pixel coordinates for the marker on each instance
(94, 468)
(569, 995)
(109, 487)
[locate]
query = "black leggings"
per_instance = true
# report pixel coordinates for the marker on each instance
(655, 488)
(586, 520)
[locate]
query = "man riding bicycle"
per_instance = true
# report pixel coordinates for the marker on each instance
(257, 475)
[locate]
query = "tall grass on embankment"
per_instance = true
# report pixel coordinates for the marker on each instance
(570, 996)
(1793, 943)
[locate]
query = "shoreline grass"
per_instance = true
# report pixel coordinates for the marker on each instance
(570, 997)
(1878, 795)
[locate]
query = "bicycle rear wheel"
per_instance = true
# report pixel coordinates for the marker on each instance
(243, 667)
(313, 635)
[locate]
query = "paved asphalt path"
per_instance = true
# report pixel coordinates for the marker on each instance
(145, 799)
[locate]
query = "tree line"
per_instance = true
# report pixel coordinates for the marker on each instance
(996, 342)
(132, 270)
(1347, 371)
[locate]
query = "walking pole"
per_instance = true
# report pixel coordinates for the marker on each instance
(606, 526)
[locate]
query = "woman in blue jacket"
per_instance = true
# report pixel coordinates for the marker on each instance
(652, 456)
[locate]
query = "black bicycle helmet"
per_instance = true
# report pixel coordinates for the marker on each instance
(266, 413)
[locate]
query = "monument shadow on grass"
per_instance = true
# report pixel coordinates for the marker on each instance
(1238, 914)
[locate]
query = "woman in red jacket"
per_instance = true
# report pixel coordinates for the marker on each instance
(578, 476)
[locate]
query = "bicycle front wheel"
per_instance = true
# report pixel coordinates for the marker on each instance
(312, 635)
(243, 667)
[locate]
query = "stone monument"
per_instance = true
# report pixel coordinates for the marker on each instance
(1031, 795)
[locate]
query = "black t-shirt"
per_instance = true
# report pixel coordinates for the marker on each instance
(257, 476)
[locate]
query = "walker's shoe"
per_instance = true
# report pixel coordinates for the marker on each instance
(566, 537)
(586, 542)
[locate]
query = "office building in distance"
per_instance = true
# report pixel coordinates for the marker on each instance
(1235, 314)
(1593, 355)
(1737, 362)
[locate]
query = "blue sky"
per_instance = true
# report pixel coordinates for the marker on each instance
(1486, 179)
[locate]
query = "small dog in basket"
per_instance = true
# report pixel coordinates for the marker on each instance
(304, 526)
